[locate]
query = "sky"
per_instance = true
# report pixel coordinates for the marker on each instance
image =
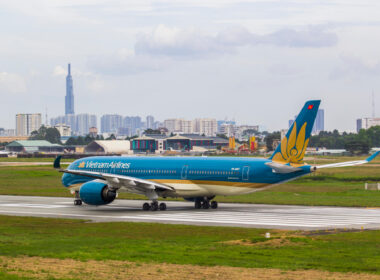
(256, 62)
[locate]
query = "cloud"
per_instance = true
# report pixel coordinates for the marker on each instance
(12, 83)
(175, 42)
(60, 71)
(125, 62)
(354, 68)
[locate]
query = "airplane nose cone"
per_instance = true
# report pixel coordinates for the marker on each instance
(66, 178)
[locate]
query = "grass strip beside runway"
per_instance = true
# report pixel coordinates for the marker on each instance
(193, 245)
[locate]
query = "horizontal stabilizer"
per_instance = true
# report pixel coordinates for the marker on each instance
(282, 168)
(348, 163)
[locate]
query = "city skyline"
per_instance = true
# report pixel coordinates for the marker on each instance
(173, 59)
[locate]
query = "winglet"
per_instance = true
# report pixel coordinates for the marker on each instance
(373, 156)
(57, 162)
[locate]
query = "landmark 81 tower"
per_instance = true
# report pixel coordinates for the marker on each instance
(69, 99)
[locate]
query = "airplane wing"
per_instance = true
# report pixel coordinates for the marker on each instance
(348, 163)
(129, 183)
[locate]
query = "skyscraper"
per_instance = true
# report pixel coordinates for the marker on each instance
(149, 122)
(69, 99)
(319, 124)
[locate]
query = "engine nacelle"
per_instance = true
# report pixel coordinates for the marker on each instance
(96, 193)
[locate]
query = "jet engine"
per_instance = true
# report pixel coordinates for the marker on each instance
(96, 192)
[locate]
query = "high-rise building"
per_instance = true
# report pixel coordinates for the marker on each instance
(173, 125)
(69, 99)
(319, 124)
(64, 130)
(366, 123)
(111, 123)
(134, 124)
(150, 122)
(83, 122)
(27, 123)
(208, 127)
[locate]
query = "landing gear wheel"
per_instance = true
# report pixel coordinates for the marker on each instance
(154, 206)
(77, 202)
(206, 204)
(146, 206)
(198, 204)
(214, 204)
(162, 206)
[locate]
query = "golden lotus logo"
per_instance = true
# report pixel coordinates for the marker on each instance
(81, 165)
(293, 149)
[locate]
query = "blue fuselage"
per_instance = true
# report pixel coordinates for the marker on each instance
(210, 173)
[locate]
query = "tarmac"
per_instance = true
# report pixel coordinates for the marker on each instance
(227, 214)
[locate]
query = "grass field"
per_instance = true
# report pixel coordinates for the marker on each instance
(188, 245)
(337, 187)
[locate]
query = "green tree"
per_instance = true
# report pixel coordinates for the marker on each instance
(72, 141)
(357, 147)
(270, 138)
(150, 131)
(50, 134)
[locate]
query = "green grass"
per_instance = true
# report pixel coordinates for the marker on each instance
(12, 159)
(335, 187)
(180, 244)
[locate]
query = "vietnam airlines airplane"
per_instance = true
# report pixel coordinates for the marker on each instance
(97, 180)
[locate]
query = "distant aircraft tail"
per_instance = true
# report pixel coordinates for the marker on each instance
(293, 146)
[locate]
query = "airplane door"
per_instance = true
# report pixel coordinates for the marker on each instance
(185, 168)
(245, 174)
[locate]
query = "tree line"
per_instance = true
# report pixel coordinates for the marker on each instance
(355, 143)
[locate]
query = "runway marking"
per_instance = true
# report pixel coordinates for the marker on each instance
(290, 217)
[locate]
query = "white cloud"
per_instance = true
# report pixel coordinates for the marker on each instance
(353, 68)
(60, 71)
(177, 42)
(12, 83)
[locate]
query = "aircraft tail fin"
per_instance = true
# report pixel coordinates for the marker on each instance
(293, 146)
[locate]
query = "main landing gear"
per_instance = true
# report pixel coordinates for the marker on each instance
(205, 203)
(154, 206)
(77, 200)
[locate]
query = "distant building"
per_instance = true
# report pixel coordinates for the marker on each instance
(26, 123)
(319, 124)
(133, 123)
(33, 146)
(69, 99)
(80, 124)
(64, 130)
(150, 122)
(93, 132)
(227, 129)
(2, 131)
(173, 125)
(366, 123)
(208, 127)
(111, 123)
(109, 147)
(84, 122)
(220, 123)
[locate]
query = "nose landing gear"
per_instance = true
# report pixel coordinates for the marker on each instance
(77, 200)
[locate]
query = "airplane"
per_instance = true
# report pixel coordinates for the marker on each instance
(97, 180)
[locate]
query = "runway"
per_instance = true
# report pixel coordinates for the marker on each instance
(228, 214)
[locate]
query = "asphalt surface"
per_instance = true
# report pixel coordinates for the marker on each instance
(227, 214)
